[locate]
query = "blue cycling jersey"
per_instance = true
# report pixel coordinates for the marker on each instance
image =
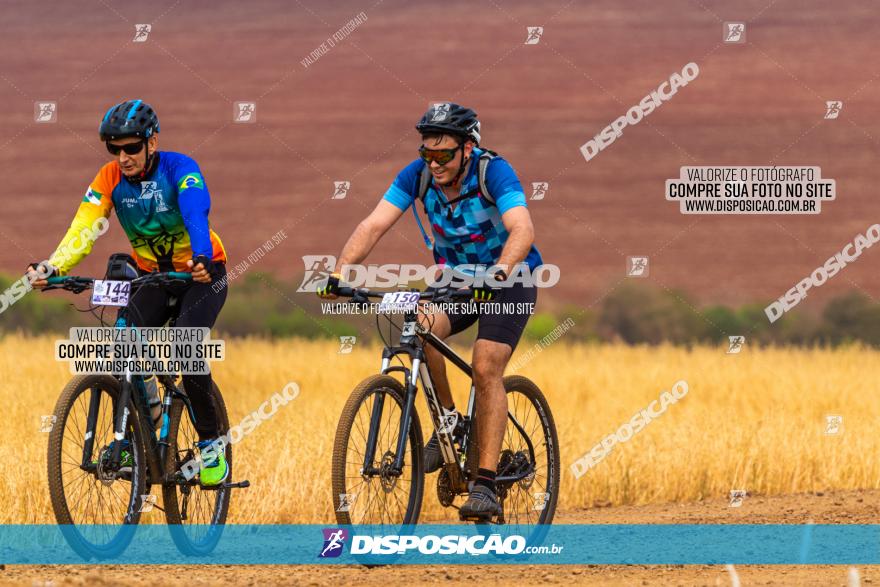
(472, 233)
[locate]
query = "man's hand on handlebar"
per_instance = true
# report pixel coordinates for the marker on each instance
(201, 268)
(490, 288)
(39, 273)
(330, 289)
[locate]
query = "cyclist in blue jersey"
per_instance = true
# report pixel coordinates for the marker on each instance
(469, 228)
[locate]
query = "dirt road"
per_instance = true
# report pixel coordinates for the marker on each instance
(860, 507)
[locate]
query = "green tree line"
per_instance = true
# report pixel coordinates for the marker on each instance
(259, 304)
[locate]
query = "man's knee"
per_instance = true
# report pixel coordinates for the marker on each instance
(485, 374)
(490, 359)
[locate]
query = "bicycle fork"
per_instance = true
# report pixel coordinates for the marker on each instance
(444, 433)
(121, 414)
(120, 419)
(91, 423)
(395, 469)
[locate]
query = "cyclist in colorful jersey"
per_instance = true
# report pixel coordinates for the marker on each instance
(468, 229)
(162, 204)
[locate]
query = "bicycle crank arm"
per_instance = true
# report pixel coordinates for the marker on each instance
(513, 478)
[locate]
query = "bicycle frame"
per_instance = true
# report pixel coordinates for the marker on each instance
(157, 448)
(412, 340)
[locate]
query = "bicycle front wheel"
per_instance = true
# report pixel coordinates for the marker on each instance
(376, 495)
(96, 504)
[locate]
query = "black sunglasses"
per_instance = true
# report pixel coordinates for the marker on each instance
(129, 148)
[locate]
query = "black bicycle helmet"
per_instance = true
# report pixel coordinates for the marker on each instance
(449, 118)
(132, 118)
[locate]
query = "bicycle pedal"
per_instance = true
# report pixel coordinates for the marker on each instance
(478, 521)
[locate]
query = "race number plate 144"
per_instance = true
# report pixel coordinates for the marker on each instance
(110, 293)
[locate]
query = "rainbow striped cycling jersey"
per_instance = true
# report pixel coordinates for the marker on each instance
(165, 216)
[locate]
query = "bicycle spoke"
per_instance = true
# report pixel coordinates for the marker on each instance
(375, 500)
(203, 507)
(113, 504)
(520, 500)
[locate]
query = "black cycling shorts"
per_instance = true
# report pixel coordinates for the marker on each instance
(199, 305)
(501, 320)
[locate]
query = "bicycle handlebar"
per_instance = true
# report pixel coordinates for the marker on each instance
(69, 279)
(182, 275)
(77, 284)
(362, 293)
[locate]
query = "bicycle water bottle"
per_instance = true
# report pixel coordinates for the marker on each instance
(153, 400)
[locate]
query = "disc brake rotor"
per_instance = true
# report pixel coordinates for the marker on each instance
(104, 475)
(389, 482)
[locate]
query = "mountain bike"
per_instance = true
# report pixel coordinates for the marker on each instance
(377, 472)
(105, 456)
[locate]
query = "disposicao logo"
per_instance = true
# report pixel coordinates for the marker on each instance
(334, 540)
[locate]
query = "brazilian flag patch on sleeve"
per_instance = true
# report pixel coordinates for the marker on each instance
(190, 180)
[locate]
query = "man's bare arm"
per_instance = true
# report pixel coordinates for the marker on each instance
(521, 234)
(368, 233)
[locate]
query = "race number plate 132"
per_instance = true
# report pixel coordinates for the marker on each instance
(110, 293)
(399, 302)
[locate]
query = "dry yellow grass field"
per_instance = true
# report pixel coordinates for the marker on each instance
(753, 421)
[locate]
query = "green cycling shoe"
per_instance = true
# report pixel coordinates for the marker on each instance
(214, 468)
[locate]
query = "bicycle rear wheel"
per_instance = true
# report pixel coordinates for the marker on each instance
(380, 498)
(97, 507)
(195, 514)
